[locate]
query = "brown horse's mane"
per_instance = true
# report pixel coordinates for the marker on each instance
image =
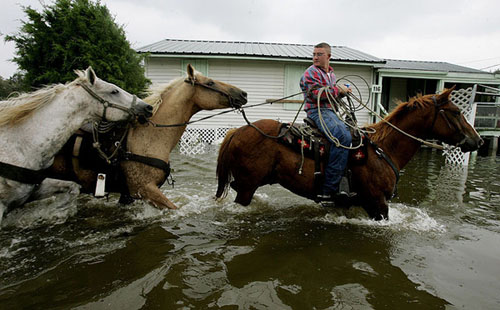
(382, 129)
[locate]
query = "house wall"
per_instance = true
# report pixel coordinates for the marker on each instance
(262, 80)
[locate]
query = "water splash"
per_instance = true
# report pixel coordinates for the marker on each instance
(53, 210)
(401, 218)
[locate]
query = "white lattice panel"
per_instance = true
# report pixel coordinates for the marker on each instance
(194, 141)
(462, 98)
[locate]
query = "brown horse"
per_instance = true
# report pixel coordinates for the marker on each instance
(175, 103)
(253, 160)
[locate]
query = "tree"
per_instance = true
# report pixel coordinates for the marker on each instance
(11, 85)
(75, 34)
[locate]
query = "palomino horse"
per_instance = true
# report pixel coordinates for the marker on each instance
(175, 104)
(34, 127)
(253, 160)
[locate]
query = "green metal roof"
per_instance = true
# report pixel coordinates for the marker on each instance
(427, 66)
(252, 49)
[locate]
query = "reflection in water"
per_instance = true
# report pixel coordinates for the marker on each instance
(281, 252)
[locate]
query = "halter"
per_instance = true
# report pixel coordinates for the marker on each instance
(106, 104)
(442, 112)
(231, 99)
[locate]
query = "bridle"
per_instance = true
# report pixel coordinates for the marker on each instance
(106, 104)
(231, 99)
(439, 110)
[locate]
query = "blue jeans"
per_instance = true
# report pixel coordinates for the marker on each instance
(338, 155)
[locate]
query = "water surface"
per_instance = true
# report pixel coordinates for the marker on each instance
(439, 250)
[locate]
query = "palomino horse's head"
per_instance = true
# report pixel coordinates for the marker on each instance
(211, 94)
(449, 125)
(110, 102)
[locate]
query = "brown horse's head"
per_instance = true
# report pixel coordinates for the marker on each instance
(212, 94)
(449, 125)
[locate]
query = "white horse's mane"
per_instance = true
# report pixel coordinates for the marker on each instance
(19, 108)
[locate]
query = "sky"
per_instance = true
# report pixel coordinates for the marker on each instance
(461, 32)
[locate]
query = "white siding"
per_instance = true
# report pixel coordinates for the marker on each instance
(163, 70)
(261, 80)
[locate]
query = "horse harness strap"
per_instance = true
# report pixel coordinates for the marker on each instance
(380, 152)
(195, 82)
(22, 175)
(106, 104)
(439, 111)
(122, 156)
(153, 162)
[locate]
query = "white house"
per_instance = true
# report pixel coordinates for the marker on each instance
(268, 71)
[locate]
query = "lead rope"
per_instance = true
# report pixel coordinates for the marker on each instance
(337, 142)
(430, 144)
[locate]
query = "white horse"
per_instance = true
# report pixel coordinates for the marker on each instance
(35, 126)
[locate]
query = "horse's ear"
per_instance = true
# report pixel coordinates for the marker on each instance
(446, 93)
(91, 77)
(190, 72)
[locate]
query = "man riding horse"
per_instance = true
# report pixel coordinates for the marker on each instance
(319, 80)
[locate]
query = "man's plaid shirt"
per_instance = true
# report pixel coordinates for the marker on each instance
(313, 79)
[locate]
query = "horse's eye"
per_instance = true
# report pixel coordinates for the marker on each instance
(114, 91)
(210, 83)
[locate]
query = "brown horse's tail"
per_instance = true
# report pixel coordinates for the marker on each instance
(223, 171)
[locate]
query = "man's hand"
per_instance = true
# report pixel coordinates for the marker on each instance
(344, 89)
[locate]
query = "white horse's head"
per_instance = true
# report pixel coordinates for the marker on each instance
(109, 101)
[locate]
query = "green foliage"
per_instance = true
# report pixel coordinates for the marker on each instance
(75, 34)
(11, 85)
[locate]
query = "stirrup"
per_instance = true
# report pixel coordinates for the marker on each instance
(344, 188)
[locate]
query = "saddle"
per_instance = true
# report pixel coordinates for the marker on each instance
(306, 138)
(310, 142)
(85, 161)
(104, 156)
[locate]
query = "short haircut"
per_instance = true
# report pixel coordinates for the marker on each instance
(324, 45)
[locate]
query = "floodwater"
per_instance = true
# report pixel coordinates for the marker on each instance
(439, 250)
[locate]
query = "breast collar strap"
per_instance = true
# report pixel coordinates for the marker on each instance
(153, 162)
(380, 152)
(22, 175)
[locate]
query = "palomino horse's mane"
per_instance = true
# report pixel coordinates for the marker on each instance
(156, 92)
(382, 130)
(17, 109)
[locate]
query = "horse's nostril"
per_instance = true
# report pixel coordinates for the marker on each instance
(149, 108)
(244, 94)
